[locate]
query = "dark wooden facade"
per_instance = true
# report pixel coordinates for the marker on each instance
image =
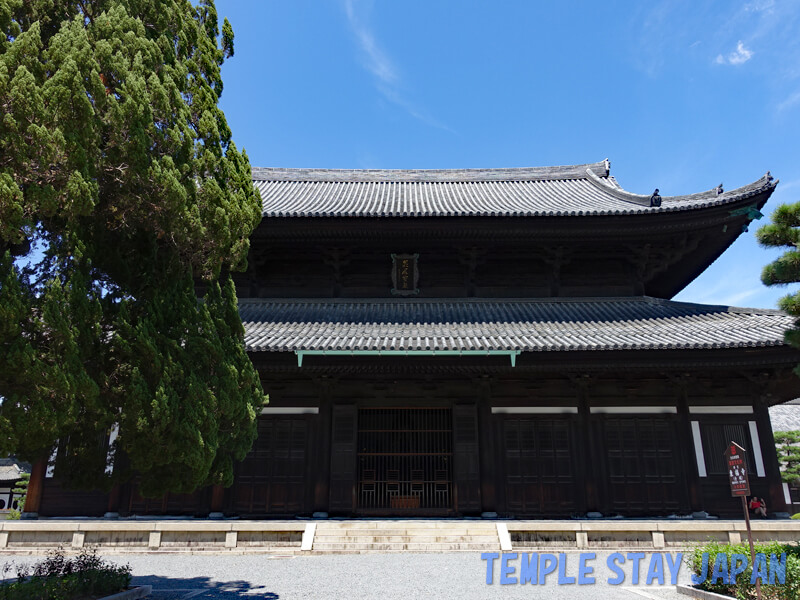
(619, 430)
(531, 442)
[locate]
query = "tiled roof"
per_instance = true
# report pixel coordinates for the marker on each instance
(11, 470)
(526, 325)
(541, 191)
(785, 417)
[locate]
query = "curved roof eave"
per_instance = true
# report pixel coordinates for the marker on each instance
(572, 190)
(713, 197)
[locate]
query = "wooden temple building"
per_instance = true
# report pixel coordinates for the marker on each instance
(465, 342)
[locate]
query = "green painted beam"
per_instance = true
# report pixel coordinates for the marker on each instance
(512, 354)
(751, 212)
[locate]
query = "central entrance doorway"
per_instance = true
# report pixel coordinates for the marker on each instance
(405, 461)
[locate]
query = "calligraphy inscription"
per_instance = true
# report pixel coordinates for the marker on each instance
(404, 274)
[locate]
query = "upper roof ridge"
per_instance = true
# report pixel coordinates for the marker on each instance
(564, 172)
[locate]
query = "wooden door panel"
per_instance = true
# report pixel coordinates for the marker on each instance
(642, 461)
(272, 478)
(538, 466)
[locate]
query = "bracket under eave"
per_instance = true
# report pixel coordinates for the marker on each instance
(512, 354)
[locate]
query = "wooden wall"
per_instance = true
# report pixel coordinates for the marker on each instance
(525, 444)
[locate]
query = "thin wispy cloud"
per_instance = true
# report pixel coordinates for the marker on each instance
(760, 6)
(771, 26)
(740, 298)
(387, 78)
(738, 57)
(728, 292)
(651, 21)
(792, 100)
(376, 61)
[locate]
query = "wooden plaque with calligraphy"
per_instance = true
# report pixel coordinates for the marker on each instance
(405, 274)
(737, 470)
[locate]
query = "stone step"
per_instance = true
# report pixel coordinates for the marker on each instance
(411, 532)
(350, 547)
(404, 539)
(406, 528)
(405, 536)
(407, 525)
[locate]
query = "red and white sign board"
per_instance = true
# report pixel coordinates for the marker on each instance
(737, 470)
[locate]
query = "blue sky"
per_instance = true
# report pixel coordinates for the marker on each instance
(679, 95)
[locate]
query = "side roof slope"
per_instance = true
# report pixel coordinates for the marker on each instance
(521, 192)
(548, 324)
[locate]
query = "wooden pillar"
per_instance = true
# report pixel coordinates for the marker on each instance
(217, 501)
(488, 449)
(321, 467)
(35, 489)
(342, 496)
(125, 489)
(112, 509)
(776, 503)
(466, 459)
(692, 477)
(588, 464)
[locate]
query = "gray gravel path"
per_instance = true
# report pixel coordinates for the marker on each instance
(369, 576)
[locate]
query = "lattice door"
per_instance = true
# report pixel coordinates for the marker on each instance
(405, 458)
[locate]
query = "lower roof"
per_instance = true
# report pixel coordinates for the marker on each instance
(526, 325)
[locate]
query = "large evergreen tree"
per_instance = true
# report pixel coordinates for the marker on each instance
(120, 190)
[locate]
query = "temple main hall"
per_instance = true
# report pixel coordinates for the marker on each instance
(475, 342)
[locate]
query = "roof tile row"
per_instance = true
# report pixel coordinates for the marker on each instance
(525, 325)
(545, 191)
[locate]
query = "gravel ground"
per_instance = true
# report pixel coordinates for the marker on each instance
(448, 576)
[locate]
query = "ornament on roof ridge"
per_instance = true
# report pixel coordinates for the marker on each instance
(655, 199)
(719, 189)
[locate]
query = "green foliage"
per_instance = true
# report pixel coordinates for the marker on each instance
(790, 590)
(796, 516)
(20, 490)
(120, 189)
(205, 432)
(784, 232)
(787, 444)
(59, 578)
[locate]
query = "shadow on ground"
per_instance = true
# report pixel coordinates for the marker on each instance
(202, 588)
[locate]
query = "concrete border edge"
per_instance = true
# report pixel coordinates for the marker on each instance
(132, 594)
(693, 592)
